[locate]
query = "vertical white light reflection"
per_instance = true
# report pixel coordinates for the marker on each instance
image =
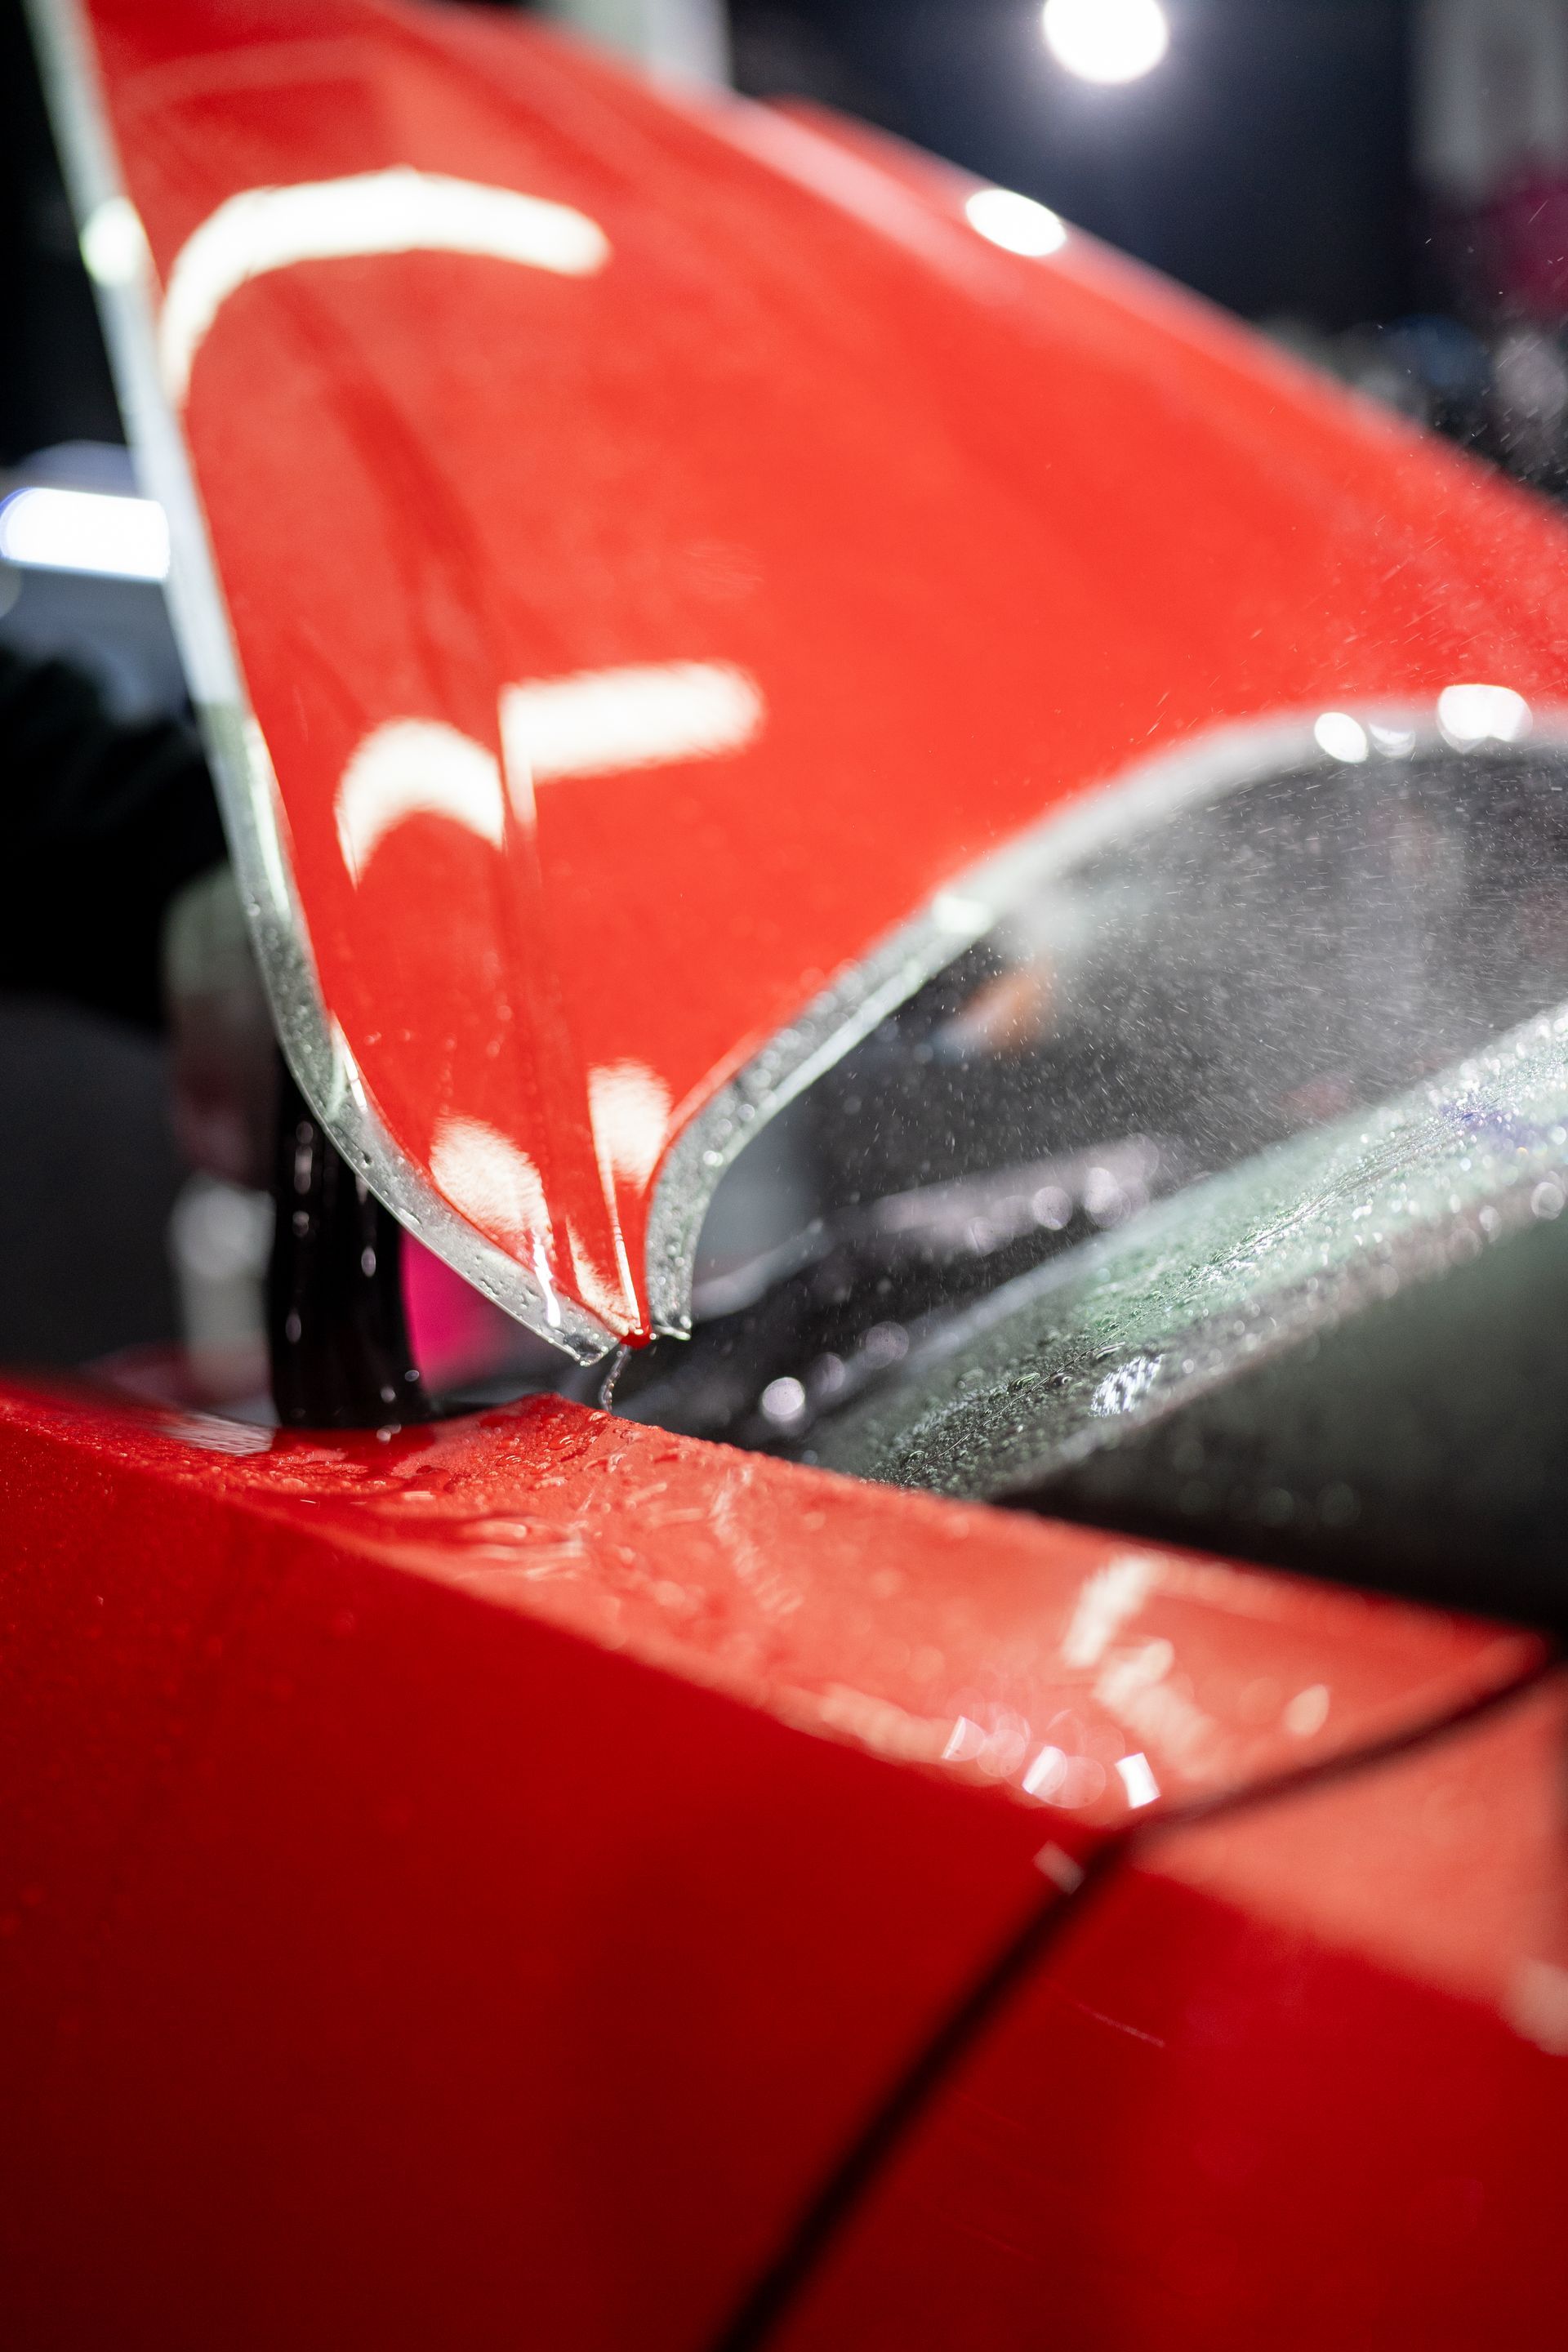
(396, 211)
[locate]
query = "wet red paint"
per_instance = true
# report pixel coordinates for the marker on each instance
(500, 1868)
(474, 1886)
(1295, 2077)
(981, 530)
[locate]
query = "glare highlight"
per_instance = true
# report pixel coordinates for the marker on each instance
(1016, 223)
(399, 211)
(491, 1183)
(1106, 40)
(52, 529)
(1469, 715)
(417, 767)
(1137, 1777)
(1341, 737)
(601, 722)
(630, 1108)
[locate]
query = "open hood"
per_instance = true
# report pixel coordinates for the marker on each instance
(634, 557)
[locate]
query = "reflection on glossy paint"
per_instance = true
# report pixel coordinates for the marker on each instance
(1138, 1780)
(210, 1435)
(631, 1109)
(1468, 714)
(397, 211)
(1109, 1597)
(417, 767)
(1308, 1711)
(1341, 737)
(488, 1180)
(1016, 223)
(600, 722)
(50, 530)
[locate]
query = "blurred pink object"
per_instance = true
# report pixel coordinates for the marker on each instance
(455, 1331)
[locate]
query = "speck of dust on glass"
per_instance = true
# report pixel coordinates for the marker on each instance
(1188, 1197)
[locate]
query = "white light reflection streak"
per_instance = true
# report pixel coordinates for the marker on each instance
(396, 211)
(417, 767)
(497, 1187)
(603, 723)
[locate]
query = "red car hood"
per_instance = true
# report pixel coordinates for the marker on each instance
(662, 548)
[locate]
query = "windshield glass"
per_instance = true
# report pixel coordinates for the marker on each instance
(1199, 1089)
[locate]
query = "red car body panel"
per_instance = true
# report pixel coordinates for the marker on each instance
(974, 532)
(489, 1880)
(541, 1879)
(1280, 2083)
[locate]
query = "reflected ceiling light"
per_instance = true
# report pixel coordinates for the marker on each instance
(417, 767)
(1138, 1780)
(396, 211)
(1016, 223)
(1341, 737)
(629, 1107)
(1468, 714)
(51, 529)
(602, 722)
(1106, 40)
(488, 1180)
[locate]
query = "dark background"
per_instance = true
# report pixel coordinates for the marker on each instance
(1265, 161)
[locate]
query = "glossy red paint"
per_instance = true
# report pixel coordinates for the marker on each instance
(1294, 2076)
(973, 533)
(485, 1880)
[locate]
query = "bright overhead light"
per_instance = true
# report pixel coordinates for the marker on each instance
(1107, 41)
(53, 530)
(1016, 223)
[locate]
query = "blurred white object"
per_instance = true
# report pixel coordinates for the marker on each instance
(1106, 40)
(678, 40)
(56, 530)
(1491, 94)
(219, 1237)
(1528, 399)
(225, 1053)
